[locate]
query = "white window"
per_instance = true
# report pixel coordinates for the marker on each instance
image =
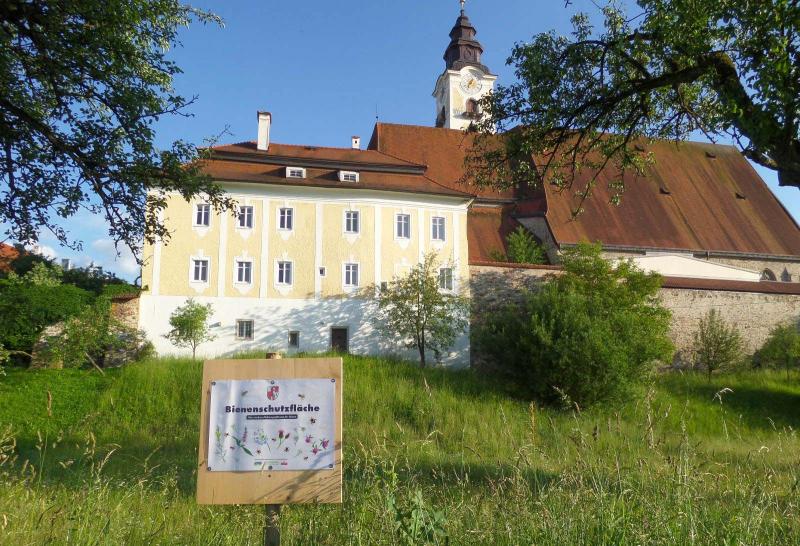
(351, 275)
(437, 228)
(403, 226)
(295, 172)
(348, 176)
(200, 270)
(285, 273)
(244, 271)
(294, 340)
(202, 214)
(245, 217)
(351, 221)
(286, 218)
(244, 329)
(446, 278)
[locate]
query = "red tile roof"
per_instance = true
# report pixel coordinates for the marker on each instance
(441, 150)
(487, 229)
(688, 200)
(697, 196)
(266, 173)
(7, 255)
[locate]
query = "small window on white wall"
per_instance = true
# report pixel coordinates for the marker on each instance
(244, 271)
(286, 218)
(437, 228)
(351, 275)
(246, 217)
(351, 221)
(202, 214)
(403, 226)
(284, 273)
(294, 340)
(446, 278)
(244, 329)
(200, 270)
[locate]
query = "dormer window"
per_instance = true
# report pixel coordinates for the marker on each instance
(295, 172)
(348, 176)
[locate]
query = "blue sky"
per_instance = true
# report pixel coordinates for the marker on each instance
(324, 69)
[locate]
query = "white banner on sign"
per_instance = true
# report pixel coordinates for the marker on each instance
(281, 424)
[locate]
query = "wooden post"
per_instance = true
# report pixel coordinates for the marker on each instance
(272, 512)
(272, 525)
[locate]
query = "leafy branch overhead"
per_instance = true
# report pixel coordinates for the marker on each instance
(82, 84)
(727, 69)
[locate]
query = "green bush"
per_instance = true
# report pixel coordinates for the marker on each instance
(717, 345)
(781, 350)
(587, 336)
(26, 309)
(523, 248)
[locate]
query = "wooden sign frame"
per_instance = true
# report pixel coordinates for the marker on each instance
(269, 486)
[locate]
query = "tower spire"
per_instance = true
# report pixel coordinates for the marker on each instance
(462, 2)
(464, 49)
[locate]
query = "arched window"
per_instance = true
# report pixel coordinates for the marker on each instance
(471, 110)
(440, 119)
(768, 275)
(786, 276)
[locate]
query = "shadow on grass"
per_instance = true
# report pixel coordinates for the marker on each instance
(758, 406)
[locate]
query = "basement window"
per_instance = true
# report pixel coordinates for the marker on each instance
(294, 340)
(348, 176)
(244, 329)
(295, 172)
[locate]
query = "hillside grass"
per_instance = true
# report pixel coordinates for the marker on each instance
(110, 459)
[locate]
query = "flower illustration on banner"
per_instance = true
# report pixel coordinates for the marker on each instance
(219, 445)
(261, 438)
(240, 441)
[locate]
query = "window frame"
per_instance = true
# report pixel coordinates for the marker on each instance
(193, 271)
(206, 213)
(356, 219)
(278, 264)
(289, 216)
(291, 170)
(397, 225)
(450, 276)
(347, 270)
(250, 216)
(349, 176)
(237, 263)
(239, 323)
(443, 228)
(296, 344)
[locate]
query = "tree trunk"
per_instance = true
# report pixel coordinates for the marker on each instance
(194, 351)
(421, 346)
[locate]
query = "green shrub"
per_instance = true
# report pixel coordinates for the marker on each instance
(588, 335)
(523, 248)
(26, 309)
(781, 350)
(717, 345)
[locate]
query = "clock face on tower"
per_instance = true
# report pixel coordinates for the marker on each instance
(470, 84)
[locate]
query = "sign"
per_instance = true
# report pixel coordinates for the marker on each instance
(272, 424)
(271, 432)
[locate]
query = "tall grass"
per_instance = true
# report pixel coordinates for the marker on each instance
(430, 456)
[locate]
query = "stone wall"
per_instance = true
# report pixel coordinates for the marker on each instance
(125, 309)
(754, 313)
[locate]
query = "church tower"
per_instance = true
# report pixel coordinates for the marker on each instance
(464, 81)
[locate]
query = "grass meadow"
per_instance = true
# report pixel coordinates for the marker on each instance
(430, 457)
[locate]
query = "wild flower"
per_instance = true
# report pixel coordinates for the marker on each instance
(325, 444)
(308, 439)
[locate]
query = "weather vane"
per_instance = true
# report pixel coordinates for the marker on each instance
(462, 2)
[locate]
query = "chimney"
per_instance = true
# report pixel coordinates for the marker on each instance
(264, 121)
(356, 142)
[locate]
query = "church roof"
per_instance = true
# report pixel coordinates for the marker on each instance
(464, 49)
(696, 197)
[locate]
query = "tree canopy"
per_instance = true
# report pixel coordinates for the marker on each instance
(82, 83)
(729, 69)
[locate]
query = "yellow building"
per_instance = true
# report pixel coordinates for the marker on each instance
(316, 230)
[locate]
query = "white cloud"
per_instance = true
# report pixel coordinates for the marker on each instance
(104, 253)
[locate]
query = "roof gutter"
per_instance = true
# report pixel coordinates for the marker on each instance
(703, 253)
